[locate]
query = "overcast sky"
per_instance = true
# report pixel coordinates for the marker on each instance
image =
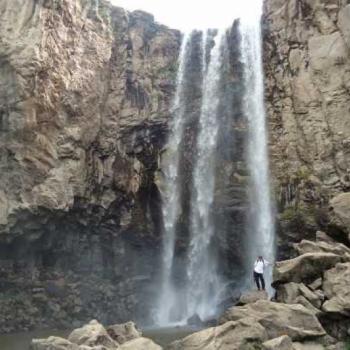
(194, 14)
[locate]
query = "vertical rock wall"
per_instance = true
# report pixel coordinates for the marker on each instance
(85, 96)
(307, 67)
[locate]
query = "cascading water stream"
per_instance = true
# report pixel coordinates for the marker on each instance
(261, 223)
(201, 291)
(171, 200)
(204, 282)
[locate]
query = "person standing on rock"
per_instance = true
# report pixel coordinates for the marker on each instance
(259, 266)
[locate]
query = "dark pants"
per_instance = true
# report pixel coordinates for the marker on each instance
(259, 277)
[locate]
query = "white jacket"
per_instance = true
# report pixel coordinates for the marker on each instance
(259, 265)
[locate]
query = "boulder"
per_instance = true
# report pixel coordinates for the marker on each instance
(340, 249)
(303, 301)
(304, 268)
(279, 319)
(280, 343)
(252, 297)
(194, 320)
(92, 334)
(308, 346)
(233, 335)
(298, 293)
(316, 284)
(340, 213)
(336, 286)
(323, 237)
(312, 297)
(53, 343)
(287, 293)
(140, 344)
(320, 294)
(337, 346)
(122, 333)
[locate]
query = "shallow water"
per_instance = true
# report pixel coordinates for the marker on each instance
(21, 341)
(165, 336)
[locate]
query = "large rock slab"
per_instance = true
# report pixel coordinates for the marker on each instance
(280, 343)
(290, 292)
(92, 334)
(304, 268)
(278, 319)
(340, 214)
(122, 333)
(140, 344)
(241, 334)
(340, 249)
(308, 346)
(53, 343)
(336, 285)
(252, 297)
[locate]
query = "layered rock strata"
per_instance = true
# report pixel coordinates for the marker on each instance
(85, 95)
(307, 67)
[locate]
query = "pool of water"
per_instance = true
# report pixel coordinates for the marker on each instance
(21, 341)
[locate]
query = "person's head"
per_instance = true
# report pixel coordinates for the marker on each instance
(260, 258)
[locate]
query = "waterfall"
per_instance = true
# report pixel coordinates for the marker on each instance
(261, 223)
(208, 76)
(204, 283)
(200, 293)
(171, 200)
(97, 6)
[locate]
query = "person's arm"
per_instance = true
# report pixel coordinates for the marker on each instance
(267, 262)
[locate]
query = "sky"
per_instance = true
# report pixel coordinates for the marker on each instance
(194, 14)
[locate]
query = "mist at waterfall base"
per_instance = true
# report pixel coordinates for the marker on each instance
(191, 282)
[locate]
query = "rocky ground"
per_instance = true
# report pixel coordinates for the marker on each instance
(310, 311)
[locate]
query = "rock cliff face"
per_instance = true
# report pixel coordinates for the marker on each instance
(85, 101)
(85, 104)
(307, 65)
(85, 93)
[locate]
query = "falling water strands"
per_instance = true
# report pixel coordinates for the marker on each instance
(204, 53)
(204, 283)
(200, 294)
(261, 230)
(97, 5)
(171, 200)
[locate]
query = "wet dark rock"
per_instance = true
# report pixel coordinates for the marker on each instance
(194, 320)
